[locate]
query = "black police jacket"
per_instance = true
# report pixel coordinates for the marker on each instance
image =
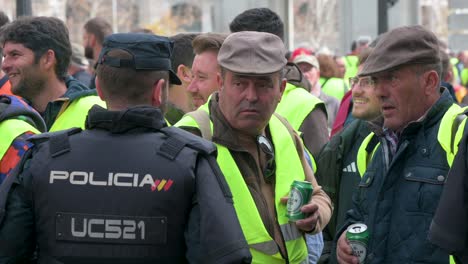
(126, 190)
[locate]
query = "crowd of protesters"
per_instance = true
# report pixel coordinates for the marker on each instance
(140, 148)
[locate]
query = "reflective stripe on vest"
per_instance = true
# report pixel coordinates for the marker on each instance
(288, 168)
(11, 129)
(449, 135)
(74, 114)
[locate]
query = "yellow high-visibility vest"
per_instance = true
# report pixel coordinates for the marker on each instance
(262, 246)
(75, 113)
(11, 129)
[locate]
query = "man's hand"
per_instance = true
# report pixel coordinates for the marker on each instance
(311, 211)
(344, 253)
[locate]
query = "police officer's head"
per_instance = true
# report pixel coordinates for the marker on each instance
(252, 80)
(135, 69)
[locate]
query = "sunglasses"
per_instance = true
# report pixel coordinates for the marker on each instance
(267, 148)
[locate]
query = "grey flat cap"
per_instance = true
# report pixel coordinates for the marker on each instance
(252, 53)
(402, 46)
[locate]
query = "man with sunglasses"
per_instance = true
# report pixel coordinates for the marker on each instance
(258, 151)
(399, 191)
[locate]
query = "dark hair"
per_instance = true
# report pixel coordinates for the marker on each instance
(445, 64)
(353, 45)
(127, 84)
(258, 19)
(99, 27)
(3, 19)
(182, 53)
(208, 42)
(41, 34)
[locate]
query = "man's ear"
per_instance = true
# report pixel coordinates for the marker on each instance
(99, 89)
(431, 82)
(283, 83)
(219, 80)
(48, 60)
(92, 40)
(184, 73)
(156, 98)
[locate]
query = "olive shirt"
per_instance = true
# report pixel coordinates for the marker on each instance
(250, 160)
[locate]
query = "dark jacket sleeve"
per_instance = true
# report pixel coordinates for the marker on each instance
(314, 130)
(449, 225)
(220, 236)
(17, 241)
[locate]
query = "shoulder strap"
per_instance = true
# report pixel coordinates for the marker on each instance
(325, 82)
(8, 183)
(203, 120)
(178, 139)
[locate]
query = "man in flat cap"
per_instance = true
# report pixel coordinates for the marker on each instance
(399, 192)
(304, 111)
(258, 151)
(128, 189)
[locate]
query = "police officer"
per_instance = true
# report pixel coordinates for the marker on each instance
(128, 189)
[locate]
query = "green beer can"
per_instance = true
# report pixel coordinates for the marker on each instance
(300, 194)
(358, 236)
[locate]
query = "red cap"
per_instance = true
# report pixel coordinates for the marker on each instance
(300, 51)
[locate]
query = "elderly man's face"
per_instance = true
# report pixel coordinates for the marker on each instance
(403, 97)
(248, 102)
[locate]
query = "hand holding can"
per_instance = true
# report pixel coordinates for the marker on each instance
(358, 236)
(300, 194)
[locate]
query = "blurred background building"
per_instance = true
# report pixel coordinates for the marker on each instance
(319, 24)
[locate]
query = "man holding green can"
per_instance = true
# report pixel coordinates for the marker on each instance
(258, 151)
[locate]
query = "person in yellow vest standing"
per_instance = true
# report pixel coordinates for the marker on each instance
(258, 151)
(37, 53)
(305, 112)
(18, 122)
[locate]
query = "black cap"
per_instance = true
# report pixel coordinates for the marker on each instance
(150, 52)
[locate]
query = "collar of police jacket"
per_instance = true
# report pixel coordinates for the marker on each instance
(137, 117)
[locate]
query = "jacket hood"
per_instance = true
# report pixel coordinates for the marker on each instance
(14, 107)
(76, 89)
